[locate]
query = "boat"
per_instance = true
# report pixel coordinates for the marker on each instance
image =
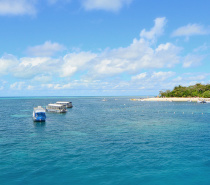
(67, 104)
(39, 114)
(201, 101)
(56, 108)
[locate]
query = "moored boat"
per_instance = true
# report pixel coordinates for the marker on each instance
(201, 101)
(67, 104)
(56, 108)
(39, 114)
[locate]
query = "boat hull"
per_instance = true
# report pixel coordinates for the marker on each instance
(39, 119)
(57, 111)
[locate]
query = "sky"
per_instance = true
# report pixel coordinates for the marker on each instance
(102, 47)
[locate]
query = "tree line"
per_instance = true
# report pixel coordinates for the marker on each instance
(197, 90)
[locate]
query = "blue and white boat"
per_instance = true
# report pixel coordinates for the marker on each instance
(39, 114)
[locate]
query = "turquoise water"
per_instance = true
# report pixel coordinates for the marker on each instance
(97, 142)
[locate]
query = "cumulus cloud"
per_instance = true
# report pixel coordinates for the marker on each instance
(139, 55)
(155, 31)
(113, 5)
(192, 60)
(190, 30)
(7, 63)
(139, 76)
(30, 67)
(46, 49)
(17, 85)
(52, 2)
(42, 78)
(17, 7)
(161, 76)
(76, 61)
(103, 70)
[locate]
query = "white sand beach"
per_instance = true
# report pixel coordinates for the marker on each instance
(172, 99)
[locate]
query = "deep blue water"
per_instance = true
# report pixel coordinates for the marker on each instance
(97, 142)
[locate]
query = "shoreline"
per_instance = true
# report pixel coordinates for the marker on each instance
(172, 99)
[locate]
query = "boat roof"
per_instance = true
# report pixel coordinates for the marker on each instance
(63, 102)
(39, 109)
(55, 105)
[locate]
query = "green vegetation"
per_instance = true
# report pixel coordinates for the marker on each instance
(197, 90)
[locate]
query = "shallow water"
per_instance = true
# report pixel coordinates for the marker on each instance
(117, 141)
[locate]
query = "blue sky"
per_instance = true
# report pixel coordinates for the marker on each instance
(102, 47)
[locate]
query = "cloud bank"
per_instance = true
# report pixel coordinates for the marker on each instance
(190, 30)
(17, 7)
(142, 65)
(114, 5)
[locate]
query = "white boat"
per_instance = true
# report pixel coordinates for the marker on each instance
(207, 101)
(56, 108)
(67, 104)
(39, 114)
(201, 101)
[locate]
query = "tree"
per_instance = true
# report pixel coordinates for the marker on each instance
(191, 91)
(206, 94)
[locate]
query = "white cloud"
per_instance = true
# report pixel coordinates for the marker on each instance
(31, 67)
(192, 61)
(17, 85)
(45, 50)
(156, 31)
(110, 69)
(202, 48)
(76, 61)
(42, 78)
(139, 55)
(7, 63)
(139, 76)
(113, 5)
(52, 2)
(190, 30)
(17, 7)
(30, 87)
(161, 76)
(197, 77)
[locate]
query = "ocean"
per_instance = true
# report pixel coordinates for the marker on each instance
(113, 142)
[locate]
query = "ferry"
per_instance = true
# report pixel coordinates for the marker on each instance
(39, 114)
(56, 108)
(67, 104)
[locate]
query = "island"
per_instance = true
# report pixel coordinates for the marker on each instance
(193, 93)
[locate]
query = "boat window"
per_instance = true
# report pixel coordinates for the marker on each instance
(40, 114)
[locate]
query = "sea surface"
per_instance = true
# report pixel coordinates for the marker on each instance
(112, 142)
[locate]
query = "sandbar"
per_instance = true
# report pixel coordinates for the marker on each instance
(172, 99)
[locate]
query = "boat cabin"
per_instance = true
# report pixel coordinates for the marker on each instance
(67, 104)
(56, 108)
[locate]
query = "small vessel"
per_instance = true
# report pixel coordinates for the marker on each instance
(39, 114)
(67, 104)
(201, 101)
(56, 108)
